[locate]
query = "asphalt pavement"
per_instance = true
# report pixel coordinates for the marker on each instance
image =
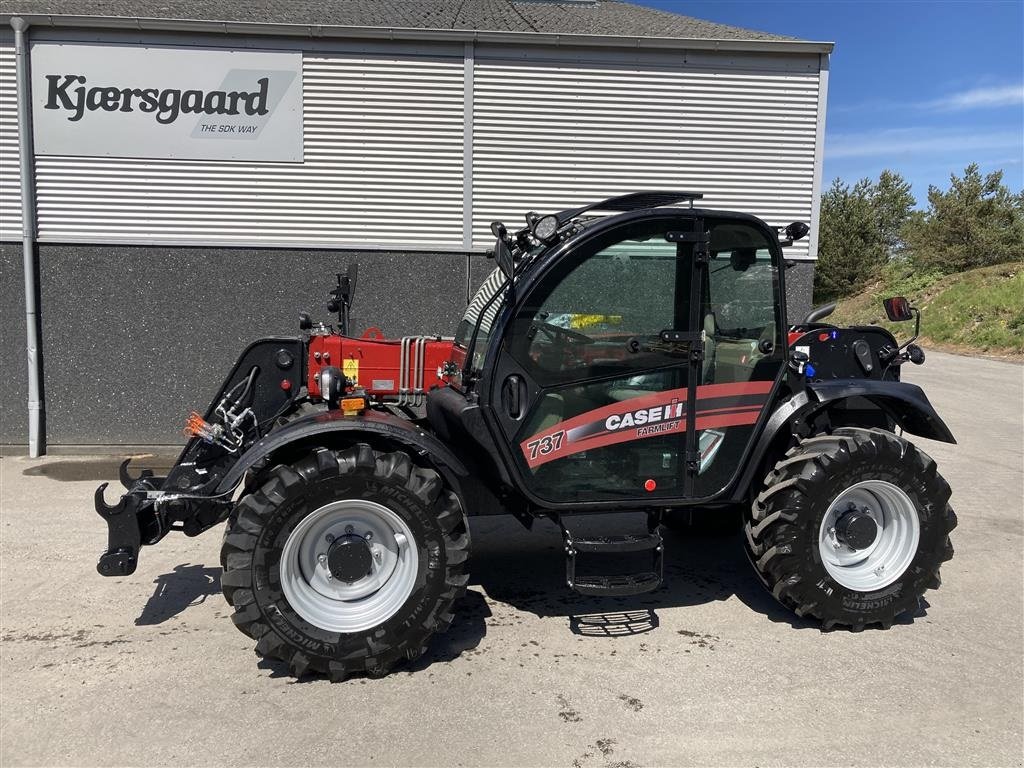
(148, 670)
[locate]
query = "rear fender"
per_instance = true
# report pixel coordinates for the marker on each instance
(906, 404)
(325, 427)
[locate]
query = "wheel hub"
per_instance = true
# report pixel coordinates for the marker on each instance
(856, 529)
(349, 565)
(349, 558)
(869, 535)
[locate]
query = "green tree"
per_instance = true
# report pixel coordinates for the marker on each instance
(860, 231)
(893, 202)
(976, 222)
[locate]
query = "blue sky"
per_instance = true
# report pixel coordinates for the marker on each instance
(923, 88)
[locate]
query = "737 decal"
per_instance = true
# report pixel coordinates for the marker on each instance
(545, 445)
(659, 413)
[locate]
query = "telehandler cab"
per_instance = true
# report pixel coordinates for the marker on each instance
(640, 362)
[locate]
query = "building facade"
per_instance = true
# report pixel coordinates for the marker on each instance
(194, 183)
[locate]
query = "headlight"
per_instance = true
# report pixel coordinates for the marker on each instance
(545, 228)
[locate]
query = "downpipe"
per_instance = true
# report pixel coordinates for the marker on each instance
(28, 230)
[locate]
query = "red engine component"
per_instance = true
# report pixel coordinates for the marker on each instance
(397, 369)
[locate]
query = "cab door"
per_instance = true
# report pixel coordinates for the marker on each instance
(743, 314)
(595, 380)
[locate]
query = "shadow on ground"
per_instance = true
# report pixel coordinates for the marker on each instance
(526, 569)
(105, 468)
(185, 586)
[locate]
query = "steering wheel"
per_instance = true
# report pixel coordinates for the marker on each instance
(557, 332)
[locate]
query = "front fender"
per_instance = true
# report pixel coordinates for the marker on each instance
(366, 426)
(905, 403)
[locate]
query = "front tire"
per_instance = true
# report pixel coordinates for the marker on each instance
(345, 562)
(851, 528)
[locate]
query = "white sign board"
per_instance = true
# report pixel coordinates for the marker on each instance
(183, 103)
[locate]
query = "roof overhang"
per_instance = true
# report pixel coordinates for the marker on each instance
(414, 33)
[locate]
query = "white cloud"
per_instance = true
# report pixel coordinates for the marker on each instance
(978, 98)
(916, 141)
(981, 97)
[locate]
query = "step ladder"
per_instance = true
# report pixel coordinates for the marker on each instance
(617, 585)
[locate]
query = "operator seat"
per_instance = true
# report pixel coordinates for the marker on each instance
(707, 369)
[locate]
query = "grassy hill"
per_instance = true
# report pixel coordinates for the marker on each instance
(979, 311)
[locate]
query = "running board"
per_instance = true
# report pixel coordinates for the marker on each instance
(617, 585)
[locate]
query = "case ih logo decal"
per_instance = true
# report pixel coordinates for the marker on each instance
(168, 103)
(718, 405)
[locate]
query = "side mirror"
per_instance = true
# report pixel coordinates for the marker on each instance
(502, 253)
(898, 309)
(797, 230)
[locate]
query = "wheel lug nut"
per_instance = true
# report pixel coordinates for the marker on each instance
(368, 535)
(349, 529)
(329, 538)
(322, 559)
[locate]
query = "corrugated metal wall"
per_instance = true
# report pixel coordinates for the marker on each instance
(384, 151)
(10, 177)
(553, 135)
(383, 166)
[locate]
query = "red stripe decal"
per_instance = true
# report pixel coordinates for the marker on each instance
(641, 417)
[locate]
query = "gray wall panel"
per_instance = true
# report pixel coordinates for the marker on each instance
(135, 337)
(10, 172)
(738, 132)
(799, 288)
(14, 389)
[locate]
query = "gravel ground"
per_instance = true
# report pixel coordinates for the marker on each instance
(706, 671)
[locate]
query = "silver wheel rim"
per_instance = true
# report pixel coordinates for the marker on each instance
(335, 605)
(887, 558)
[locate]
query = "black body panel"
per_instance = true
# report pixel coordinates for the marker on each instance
(863, 352)
(201, 463)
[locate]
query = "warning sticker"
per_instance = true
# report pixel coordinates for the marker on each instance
(350, 368)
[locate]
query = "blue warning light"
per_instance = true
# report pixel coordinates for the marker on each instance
(835, 334)
(809, 370)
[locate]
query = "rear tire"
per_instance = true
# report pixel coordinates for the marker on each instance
(366, 629)
(790, 531)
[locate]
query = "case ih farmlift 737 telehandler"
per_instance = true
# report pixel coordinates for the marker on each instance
(639, 362)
